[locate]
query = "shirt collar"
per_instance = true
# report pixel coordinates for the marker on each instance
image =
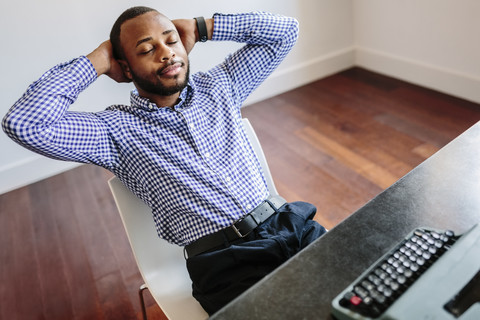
(143, 103)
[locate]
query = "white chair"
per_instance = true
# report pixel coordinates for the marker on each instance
(162, 265)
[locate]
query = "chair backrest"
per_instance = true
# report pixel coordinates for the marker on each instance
(257, 147)
(161, 264)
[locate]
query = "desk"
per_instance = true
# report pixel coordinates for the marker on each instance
(443, 192)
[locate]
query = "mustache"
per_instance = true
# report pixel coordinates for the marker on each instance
(169, 64)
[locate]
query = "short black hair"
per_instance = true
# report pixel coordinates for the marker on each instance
(115, 33)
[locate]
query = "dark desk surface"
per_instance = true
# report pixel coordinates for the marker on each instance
(443, 192)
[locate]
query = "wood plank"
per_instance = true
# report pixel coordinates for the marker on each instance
(49, 255)
(18, 263)
(364, 167)
(82, 293)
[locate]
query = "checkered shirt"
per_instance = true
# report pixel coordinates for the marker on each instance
(192, 164)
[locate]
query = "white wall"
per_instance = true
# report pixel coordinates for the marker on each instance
(39, 34)
(434, 43)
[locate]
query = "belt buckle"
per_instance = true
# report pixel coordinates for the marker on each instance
(234, 227)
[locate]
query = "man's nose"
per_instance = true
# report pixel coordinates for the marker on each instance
(166, 53)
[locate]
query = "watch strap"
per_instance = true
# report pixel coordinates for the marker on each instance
(202, 29)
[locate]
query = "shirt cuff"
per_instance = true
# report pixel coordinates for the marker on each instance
(224, 27)
(84, 70)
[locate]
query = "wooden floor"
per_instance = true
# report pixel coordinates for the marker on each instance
(336, 143)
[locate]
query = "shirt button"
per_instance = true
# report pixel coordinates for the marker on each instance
(249, 206)
(192, 125)
(228, 179)
(207, 155)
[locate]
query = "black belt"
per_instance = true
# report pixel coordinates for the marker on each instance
(239, 229)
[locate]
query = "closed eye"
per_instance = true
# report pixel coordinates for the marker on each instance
(147, 52)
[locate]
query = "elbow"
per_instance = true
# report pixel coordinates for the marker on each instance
(7, 125)
(294, 30)
(15, 127)
(289, 30)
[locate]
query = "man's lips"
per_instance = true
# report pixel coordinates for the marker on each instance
(171, 70)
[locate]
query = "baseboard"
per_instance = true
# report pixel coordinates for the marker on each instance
(29, 171)
(451, 82)
(303, 73)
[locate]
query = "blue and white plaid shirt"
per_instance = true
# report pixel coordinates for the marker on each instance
(192, 164)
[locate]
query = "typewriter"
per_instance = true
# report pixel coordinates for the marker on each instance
(430, 274)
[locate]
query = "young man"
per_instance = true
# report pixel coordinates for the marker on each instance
(180, 146)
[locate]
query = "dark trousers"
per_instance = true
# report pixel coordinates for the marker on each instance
(222, 274)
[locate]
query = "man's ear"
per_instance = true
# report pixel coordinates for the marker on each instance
(126, 69)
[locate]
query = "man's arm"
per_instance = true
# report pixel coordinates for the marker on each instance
(40, 119)
(268, 39)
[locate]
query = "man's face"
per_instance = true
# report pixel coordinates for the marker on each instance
(155, 58)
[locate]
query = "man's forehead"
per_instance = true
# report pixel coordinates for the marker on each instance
(145, 24)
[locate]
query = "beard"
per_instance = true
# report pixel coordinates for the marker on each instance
(157, 87)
